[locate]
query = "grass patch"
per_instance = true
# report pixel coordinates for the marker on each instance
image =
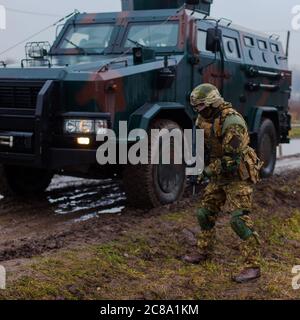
(295, 132)
(135, 268)
(144, 262)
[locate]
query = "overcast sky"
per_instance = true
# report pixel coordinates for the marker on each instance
(264, 15)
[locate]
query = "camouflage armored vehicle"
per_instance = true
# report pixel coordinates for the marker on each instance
(139, 66)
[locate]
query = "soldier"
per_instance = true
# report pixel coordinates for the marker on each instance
(234, 167)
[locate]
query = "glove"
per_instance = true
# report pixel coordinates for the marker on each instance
(205, 175)
(230, 165)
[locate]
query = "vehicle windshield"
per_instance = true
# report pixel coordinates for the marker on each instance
(85, 37)
(152, 35)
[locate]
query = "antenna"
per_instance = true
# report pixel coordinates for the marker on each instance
(288, 44)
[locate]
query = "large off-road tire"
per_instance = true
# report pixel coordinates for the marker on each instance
(23, 181)
(266, 149)
(151, 185)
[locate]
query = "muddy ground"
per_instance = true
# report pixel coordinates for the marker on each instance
(81, 242)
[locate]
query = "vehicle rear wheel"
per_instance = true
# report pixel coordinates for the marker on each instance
(23, 181)
(267, 144)
(152, 185)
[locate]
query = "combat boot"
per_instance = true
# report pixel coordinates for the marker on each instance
(250, 249)
(205, 245)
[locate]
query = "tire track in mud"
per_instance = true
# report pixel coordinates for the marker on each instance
(81, 212)
(30, 227)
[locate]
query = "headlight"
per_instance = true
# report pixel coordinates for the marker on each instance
(85, 126)
(70, 126)
(79, 126)
(101, 126)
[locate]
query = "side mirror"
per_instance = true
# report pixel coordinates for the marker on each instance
(213, 40)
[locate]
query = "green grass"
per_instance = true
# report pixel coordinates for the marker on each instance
(295, 132)
(133, 267)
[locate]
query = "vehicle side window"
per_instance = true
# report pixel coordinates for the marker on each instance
(262, 45)
(231, 47)
(275, 50)
(274, 47)
(201, 40)
(249, 42)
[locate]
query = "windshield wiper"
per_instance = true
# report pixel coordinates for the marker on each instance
(75, 45)
(136, 43)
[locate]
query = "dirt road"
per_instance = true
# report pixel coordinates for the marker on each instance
(78, 213)
(74, 211)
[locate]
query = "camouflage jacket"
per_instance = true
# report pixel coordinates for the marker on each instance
(227, 140)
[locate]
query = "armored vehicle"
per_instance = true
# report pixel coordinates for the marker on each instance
(139, 66)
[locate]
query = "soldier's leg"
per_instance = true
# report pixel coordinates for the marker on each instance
(213, 200)
(243, 226)
(239, 202)
(210, 206)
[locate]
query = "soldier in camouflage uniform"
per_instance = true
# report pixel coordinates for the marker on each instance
(233, 169)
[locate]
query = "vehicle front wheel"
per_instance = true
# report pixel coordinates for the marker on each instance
(23, 181)
(267, 144)
(153, 185)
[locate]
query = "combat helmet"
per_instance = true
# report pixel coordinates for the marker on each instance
(206, 95)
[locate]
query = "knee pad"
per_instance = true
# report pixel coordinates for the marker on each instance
(239, 225)
(206, 219)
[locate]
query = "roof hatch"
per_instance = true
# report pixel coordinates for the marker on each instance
(201, 5)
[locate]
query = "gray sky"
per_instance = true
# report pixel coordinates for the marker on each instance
(265, 15)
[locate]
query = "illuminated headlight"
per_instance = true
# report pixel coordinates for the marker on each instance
(83, 141)
(85, 126)
(79, 126)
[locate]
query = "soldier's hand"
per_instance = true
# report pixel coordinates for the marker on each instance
(229, 164)
(207, 173)
(195, 180)
(204, 176)
(200, 178)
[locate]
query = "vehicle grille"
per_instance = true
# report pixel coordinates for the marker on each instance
(22, 96)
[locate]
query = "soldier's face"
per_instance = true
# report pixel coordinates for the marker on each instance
(200, 107)
(207, 113)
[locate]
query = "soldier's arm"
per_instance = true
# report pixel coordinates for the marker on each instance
(235, 141)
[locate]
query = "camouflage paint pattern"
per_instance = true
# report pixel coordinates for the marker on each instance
(112, 84)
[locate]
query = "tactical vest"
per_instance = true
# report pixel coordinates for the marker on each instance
(250, 165)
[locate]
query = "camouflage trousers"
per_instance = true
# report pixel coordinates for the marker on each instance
(235, 198)
(229, 197)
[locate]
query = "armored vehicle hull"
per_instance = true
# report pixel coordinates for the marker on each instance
(137, 66)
